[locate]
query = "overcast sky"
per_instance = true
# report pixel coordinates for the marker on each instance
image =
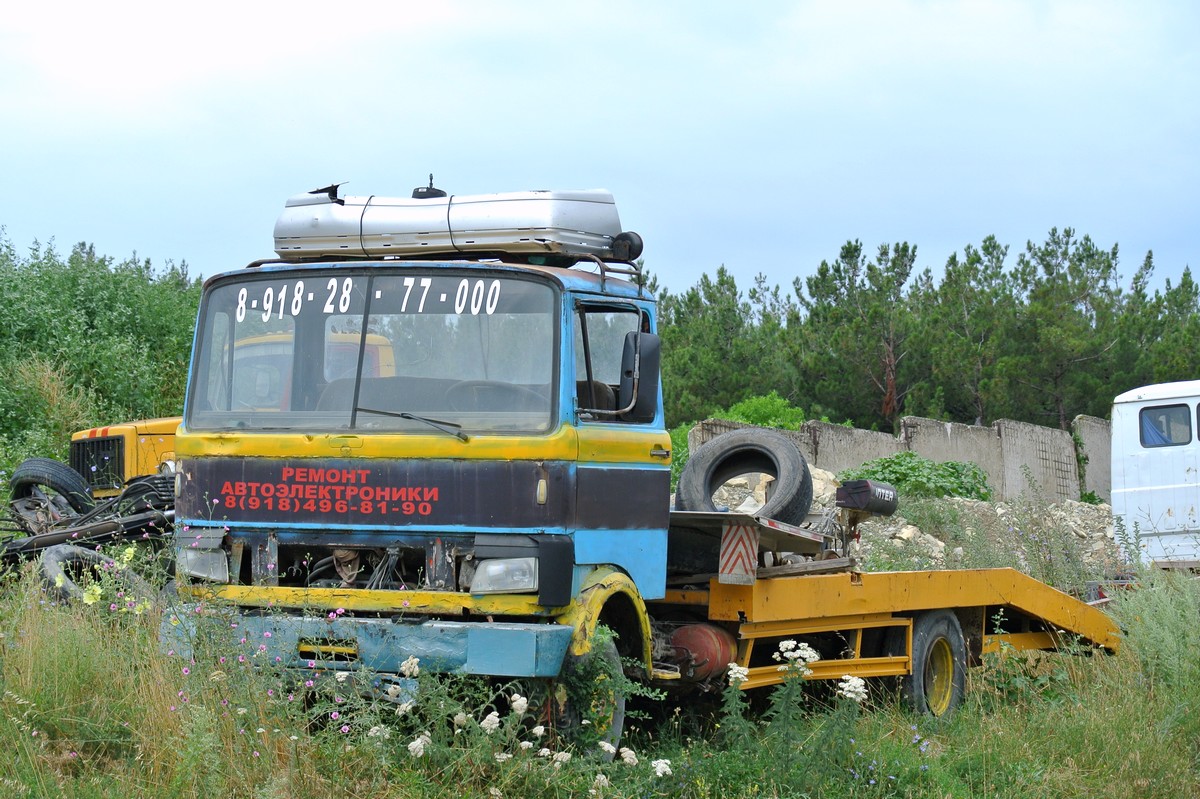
(761, 136)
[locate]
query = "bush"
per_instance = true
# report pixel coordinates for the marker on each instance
(86, 341)
(770, 410)
(915, 476)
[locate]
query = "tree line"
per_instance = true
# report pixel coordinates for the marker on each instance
(86, 340)
(1041, 336)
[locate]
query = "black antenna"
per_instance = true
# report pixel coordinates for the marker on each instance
(427, 192)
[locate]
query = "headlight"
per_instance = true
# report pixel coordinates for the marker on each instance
(203, 564)
(505, 576)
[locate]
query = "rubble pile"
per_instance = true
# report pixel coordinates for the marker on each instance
(1023, 530)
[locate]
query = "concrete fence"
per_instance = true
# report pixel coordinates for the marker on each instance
(1016, 456)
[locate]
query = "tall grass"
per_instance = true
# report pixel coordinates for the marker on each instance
(92, 706)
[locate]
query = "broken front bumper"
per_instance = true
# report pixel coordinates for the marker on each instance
(341, 642)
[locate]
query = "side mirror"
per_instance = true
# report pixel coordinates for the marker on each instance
(639, 377)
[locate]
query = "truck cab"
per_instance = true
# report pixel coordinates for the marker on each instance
(1156, 471)
(481, 503)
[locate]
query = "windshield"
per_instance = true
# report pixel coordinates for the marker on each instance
(350, 349)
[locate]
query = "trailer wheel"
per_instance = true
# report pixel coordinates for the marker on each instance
(47, 479)
(67, 569)
(588, 691)
(748, 451)
(939, 664)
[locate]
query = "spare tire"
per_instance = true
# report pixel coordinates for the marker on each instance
(37, 474)
(63, 566)
(747, 451)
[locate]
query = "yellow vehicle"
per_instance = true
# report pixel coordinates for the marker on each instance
(109, 457)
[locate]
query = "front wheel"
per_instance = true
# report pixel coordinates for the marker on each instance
(585, 705)
(937, 681)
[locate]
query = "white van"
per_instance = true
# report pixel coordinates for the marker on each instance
(1156, 471)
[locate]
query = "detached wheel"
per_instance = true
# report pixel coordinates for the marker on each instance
(66, 570)
(939, 665)
(749, 451)
(53, 482)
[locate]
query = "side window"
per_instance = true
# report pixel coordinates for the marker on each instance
(1165, 425)
(599, 342)
(216, 363)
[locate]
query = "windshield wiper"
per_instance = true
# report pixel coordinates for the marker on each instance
(446, 427)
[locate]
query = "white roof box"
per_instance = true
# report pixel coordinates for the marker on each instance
(579, 223)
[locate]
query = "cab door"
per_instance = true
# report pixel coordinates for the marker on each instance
(623, 471)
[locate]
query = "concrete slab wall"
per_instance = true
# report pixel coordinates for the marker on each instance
(1093, 437)
(1038, 458)
(834, 447)
(1010, 453)
(951, 441)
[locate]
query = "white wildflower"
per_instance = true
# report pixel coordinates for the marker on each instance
(544, 752)
(560, 758)
(538, 731)
(662, 768)
(403, 708)
(495, 792)
(854, 688)
(342, 676)
(461, 719)
(628, 757)
(502, 756)
(417, 747)
(491, 722)
(393, 691)
(608, 748)
(410, 668)
(519, 704)
(379, 731)
(526, 744)
(601, 781)
(738, 674)
(795, 657)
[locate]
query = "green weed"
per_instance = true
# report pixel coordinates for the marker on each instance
(915, 476)
(117, 715)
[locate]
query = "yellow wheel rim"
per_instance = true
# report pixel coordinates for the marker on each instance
(939, 677)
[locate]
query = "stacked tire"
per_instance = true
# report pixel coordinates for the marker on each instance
(748, 451)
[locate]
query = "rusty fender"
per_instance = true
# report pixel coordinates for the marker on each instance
(584, 615)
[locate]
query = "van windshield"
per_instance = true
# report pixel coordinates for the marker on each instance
(350, 349)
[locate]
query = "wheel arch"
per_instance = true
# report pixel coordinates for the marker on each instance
(609, 597)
